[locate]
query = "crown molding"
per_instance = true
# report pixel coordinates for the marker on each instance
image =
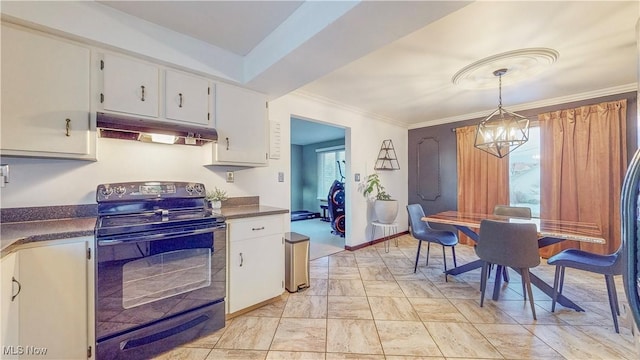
(534, 105)
(353, 109)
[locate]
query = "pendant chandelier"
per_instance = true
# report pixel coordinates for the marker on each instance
(502, 131)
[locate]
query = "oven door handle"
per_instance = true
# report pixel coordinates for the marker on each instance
(154, 237)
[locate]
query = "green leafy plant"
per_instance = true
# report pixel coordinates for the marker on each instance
(373, 184)
(216, 195)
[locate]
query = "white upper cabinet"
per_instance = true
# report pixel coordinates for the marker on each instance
(45, 96)
(130, 86)
(241, 122)
(186, 97)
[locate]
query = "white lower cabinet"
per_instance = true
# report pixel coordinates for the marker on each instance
(45, 303)
(256, 260)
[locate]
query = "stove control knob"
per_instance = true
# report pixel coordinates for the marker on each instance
(198, 188)
(106, 191)
(120, 190)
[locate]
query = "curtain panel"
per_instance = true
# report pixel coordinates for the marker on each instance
(483, 179)
(583, 163)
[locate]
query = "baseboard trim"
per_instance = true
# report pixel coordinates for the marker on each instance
(375, 241)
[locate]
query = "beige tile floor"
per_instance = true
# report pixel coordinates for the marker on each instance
(368, 304)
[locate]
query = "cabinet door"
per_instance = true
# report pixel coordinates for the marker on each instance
(241, 122)
(130, 86)
(186, 98)
(256, 271)
(9, 306)
(53, 299)
(45, 96)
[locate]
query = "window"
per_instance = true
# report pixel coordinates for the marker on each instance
(330, 164)
(524, 174)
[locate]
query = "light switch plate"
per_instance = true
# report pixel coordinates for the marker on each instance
(230, 176)
(357, 177)
(280, 176)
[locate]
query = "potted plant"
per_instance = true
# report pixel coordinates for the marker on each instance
(216, 197)
(385, 208)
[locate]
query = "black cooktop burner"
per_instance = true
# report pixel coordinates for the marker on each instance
(138, 207)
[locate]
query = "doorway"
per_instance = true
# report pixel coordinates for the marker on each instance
(317, 161)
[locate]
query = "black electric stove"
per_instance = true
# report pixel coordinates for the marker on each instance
(161, 268)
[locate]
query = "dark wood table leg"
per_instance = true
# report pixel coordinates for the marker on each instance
(476, 264)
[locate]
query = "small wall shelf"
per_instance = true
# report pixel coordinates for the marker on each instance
(387, 159)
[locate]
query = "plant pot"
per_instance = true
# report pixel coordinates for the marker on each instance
(386, 210)
(216, 204)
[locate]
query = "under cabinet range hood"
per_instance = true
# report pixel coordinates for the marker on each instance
(147, 130)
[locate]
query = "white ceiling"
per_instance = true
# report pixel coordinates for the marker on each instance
(395, 59)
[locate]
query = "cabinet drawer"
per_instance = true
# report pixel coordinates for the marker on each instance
(242, 229)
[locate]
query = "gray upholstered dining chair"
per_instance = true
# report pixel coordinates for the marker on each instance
(607, 265)
(508, 244)
(423, 232)
(514, 211)
(511, 211)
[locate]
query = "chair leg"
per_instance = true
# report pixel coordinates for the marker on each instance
(524, 291)
(615, 295)
(428, 249)
(556, 287)
(453, 250)
(444, 259)
(505, 274)
(497, 284)
(415, 268)
(527, 280)
(613, 301)
(483, 281)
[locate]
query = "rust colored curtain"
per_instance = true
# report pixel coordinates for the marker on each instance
(483, 179)
(583, 162)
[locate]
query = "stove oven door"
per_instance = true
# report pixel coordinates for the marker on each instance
(154, 293)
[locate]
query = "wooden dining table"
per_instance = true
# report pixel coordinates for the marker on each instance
(549, 232)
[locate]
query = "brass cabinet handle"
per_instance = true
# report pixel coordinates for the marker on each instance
(142, 87)
(180, 95)
(13, 297)
(68, 126)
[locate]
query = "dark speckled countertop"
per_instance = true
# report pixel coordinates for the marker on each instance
(26, 225)
(14, 234)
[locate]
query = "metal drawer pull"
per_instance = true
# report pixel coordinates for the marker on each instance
(241, 260)
(142, 87)
(260, 228)
(68, 126)
(227, 143)
(180, 105)
(13, 297)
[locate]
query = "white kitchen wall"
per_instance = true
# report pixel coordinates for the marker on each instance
(364, 136)
(46, 182)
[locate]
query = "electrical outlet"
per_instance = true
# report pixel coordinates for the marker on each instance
(280, 176)
(357, 177)
(230, 176)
